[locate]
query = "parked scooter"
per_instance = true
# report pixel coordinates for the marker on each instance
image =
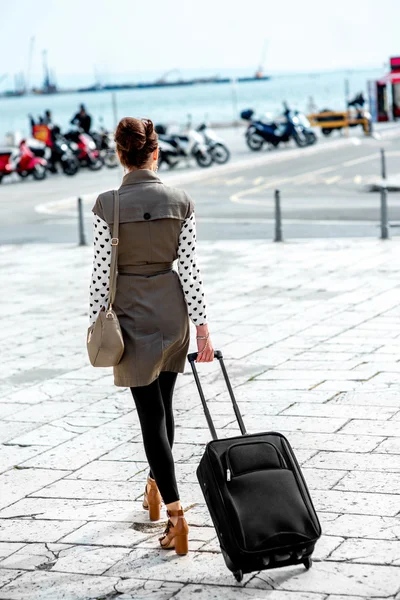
(22, 161)
(105, 144)
(178, 147)
(295, 126)
(63, 155)
(219, 152)
(58, 153)
(84, 148)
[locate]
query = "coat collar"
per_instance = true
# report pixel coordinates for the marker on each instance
(140, 176)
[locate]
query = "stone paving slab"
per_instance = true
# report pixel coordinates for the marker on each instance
(311, 336)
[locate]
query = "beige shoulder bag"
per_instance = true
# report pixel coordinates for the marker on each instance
(105, 343)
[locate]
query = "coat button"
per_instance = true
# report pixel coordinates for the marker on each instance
(147, 216)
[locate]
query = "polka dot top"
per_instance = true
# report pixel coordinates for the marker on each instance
(188, 270)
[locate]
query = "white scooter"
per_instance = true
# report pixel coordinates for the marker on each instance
(216, 146)
(175, 147)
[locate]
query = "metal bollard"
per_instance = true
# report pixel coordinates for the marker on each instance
(383, 163)
(82, 238)
(278, 217)
(384, 214)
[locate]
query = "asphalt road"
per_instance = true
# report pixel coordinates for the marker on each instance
(322, 194)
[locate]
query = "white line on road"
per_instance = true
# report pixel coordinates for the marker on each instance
(363, 159)
(334, 179)
(274, 183)
(234, 181)
(359, 161)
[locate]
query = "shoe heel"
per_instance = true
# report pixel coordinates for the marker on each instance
(154, 512)
(181, 544)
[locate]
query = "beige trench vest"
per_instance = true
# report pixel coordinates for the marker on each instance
(149, 302)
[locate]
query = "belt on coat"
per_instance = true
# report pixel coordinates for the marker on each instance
(149, 269)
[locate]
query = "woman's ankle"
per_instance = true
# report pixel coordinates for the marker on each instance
(174, 506)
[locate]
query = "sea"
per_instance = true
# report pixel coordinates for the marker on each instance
(174, 106)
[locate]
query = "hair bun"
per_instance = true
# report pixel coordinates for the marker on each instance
(136, 139)
(149, 127)
(136, 136)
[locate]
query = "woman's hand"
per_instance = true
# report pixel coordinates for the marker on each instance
(205, 349)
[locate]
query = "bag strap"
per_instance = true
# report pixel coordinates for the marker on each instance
(114, 252)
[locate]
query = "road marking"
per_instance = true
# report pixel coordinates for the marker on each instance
(234, 181)
(311, 175)
(333, 179)
(359, 161)
(274, 183)
(258, 180)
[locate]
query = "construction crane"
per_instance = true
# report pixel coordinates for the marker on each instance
(29, 68)
(163, 78)
(49, 86)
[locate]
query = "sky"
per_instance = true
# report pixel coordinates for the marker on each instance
(133, 40)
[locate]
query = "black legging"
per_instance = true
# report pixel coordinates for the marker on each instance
(154, 407)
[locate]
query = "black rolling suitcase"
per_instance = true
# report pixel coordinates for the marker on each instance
(257, 497)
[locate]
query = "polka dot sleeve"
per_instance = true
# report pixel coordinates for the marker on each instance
(100, 282)
(189, 272)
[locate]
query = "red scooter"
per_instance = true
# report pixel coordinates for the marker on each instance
(21, 160)
(85, 150)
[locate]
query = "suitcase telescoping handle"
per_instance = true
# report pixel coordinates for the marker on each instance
(217, 354)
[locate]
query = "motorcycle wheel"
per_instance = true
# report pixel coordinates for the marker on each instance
(204, 160)
(95, 164)
(311, 138)
(300, 139)
(254, 142)
(23, 174)
(111, 159)
(171, 162)
(220, 154)
(70, 167)
(39, 172)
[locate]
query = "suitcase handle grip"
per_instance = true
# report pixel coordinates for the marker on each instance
(217, 354)
(193, 356)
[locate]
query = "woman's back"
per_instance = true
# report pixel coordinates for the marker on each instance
(151, 218)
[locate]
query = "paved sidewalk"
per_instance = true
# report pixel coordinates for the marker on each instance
(311, 336)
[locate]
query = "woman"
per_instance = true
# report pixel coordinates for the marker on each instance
(153, 303)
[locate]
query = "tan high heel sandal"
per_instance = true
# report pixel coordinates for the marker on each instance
(176, 536)
(152, 499)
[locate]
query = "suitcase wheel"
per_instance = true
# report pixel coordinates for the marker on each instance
(307, 562)
(238, 575)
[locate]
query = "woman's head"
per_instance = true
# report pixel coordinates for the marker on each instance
(137, 143)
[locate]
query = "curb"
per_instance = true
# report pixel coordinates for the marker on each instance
(392, 185)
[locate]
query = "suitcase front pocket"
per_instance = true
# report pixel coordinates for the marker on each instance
(267, 507)
(265, 503)
(246, 457)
